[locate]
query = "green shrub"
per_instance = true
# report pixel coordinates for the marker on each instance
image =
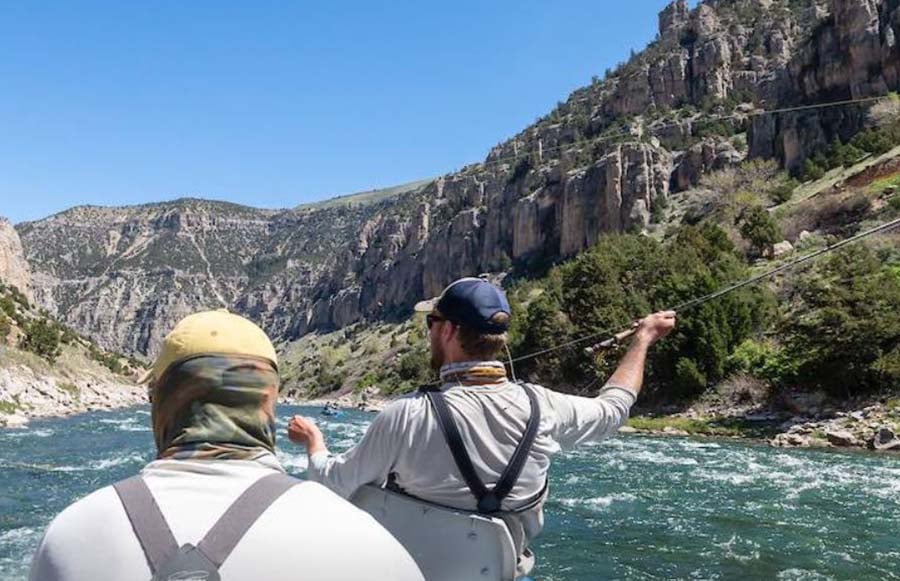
(111, 361)
(5, 327)
(894, 203)
(689, 380)
(71, 389)
(750, 357)
(812, 171)
(9, 407)
(8, 306)
(874, 141)
(624, 277)
(887, 368)
(841, 154)
(414, 365)
(42, 338)
(368, 380)
(762, 360)
(328, 379)
(783, 192)
(19, 296)
(844, 327)
(760, 229)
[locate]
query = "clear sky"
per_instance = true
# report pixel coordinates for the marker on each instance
(274, 104)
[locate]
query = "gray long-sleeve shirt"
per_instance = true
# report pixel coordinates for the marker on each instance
(405, 439)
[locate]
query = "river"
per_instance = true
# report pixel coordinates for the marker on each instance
(635, 507)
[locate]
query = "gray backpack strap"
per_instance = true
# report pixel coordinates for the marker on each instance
(240, 516)
(147, 521)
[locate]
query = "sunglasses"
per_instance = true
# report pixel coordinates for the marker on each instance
(432, 319)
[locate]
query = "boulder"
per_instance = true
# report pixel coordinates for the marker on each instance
(782, 248)
(14, 421)
(885, 439)
(842, 438)
(790, 441)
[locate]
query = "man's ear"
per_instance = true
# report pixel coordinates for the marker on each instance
(450, 330)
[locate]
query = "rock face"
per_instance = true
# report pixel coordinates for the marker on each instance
(706, 156)
(605, 160)
(13, 266)
(852, 54)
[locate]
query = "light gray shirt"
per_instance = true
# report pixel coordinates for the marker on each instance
(305, 534)
(405, 439)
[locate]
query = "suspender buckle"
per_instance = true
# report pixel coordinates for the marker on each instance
(489, 503)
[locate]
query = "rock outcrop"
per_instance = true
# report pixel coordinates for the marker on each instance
(605, 160)
(852, 54)
(14, 268)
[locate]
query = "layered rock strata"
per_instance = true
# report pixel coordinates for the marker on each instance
(605, 160)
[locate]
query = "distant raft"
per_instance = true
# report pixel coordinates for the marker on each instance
(331, 411)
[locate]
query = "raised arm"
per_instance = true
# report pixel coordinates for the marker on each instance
(630, 372)
(581, 419)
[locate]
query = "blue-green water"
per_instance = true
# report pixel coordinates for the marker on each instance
(633, 507)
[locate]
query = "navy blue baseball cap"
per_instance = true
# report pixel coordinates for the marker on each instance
(471, 302)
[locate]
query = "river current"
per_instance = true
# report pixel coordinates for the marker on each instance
(634, 507)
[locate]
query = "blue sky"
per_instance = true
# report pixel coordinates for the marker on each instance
(274, 104)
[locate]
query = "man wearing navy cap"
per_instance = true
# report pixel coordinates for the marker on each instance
(479, 441)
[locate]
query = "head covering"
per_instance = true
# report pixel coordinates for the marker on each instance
(471, 302)
(214, 387)
(211, 332)
(216, 407)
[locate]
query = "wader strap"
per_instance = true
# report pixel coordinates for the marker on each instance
(147, 521)
(489, 500)
(224, 536)
(156, 537)
(457, 446)
(511, 475)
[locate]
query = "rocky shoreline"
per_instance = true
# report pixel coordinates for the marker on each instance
(26, 394)
(873, 427)
(800, 421)
(861, 425)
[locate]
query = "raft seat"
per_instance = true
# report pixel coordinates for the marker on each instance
(447, 544)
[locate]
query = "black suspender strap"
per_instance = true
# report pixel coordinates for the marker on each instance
(147, 521)
(156, 537)
(457, 446)
(489, 500)
(511, 475)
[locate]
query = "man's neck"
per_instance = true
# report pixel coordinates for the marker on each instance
(473, 372)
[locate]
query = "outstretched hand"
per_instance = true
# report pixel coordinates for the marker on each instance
(656, 326)
(305, 432)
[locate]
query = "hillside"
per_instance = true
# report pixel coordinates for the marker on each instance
(46, 369)
(618, 155)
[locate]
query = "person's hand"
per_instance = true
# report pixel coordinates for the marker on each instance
(305, 432)
(654, 327)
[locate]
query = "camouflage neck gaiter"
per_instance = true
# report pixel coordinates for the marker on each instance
(216, 407)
